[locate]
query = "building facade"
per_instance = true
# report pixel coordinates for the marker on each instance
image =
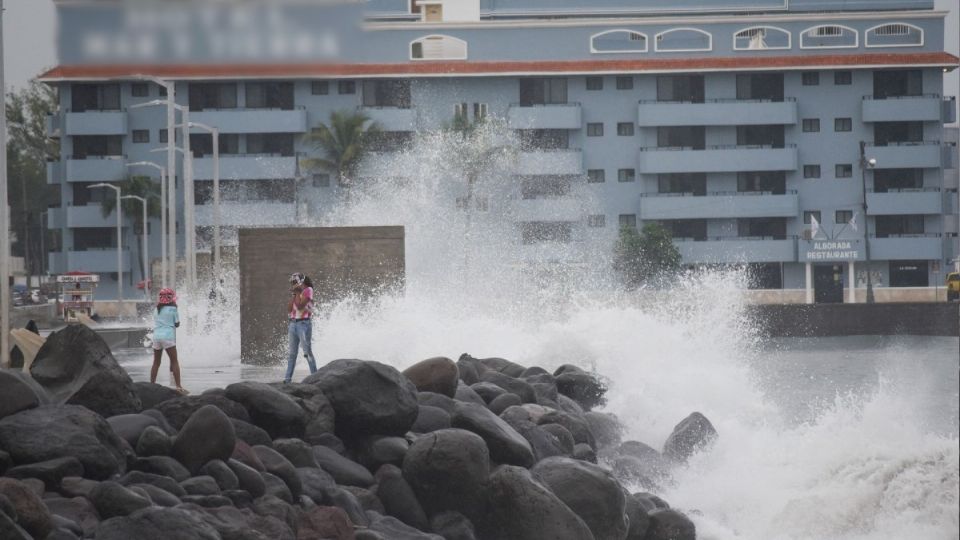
(786, 135)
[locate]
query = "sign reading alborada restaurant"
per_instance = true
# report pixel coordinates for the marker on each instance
(832, 250)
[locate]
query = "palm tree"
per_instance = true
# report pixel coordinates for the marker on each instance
(342, 144)
(141, 186)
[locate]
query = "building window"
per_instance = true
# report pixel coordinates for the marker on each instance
(896, 226)
(438, 47)
(595, 129)
(690, 137)
(842, 216)
(811, 171)
(830, 36)
(894, 35)
(597, 220)
(842, 124)
(320, 88)
(626, 175)
(761, 37)
(841, 78)
(684, 88)
(618, 41)
(163, 136)
(897, 83)
(885, 180)
(270, 95)
(810, 78)
(479, 111)
(537, 232)
(811, 125)
(543, 139)
(624, 83)
(628, 220)
(139, 90)
(624, 129)
(321, 180)
(386, 93)
(843, 170)
(594, 83)
(909, 274)
(810, 215)
(683, 40)
(95, 97)
(346, 87)
(885, 133)
(212, 96)
(686, 183)
(141, 135)
(543, 91)
(163, 91)
(760, 86)
(596, 176)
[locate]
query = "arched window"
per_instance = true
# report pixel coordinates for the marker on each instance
(438, 47)
(829, 36)
(761, 38)
(894, 35)
(683, 40)
(618, 41)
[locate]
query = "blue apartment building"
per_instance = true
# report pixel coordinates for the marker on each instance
(752, 129)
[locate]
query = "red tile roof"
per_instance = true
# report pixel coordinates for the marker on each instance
(441, 68)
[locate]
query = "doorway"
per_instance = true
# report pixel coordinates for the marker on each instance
(828, 283)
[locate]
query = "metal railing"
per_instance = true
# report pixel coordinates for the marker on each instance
(530, 105)
(733, 238)
(721, 193)
(906, 190)
(905, 96)
(717, 100)
(717, 147)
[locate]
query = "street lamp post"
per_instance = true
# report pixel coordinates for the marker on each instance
(215, 133)
(119, 244)
(4, 223)
(146, 258)
(866, 163)
(163, 215)
(43, 243)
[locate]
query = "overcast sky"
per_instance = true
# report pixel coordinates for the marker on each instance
(30, 26)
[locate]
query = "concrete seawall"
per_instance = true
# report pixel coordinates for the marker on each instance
(823, 320)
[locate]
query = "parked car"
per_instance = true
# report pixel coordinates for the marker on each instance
(953, 286)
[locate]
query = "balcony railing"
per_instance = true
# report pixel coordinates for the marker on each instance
(96, 122)
(738, 249)
(717, 112)
(718, 205)
(724, 158)
(253, 120)
(906, 154)
(96, 168)
(545, 116)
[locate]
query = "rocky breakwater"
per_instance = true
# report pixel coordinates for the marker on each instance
(475, 449)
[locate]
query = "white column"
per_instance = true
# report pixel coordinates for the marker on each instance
(809, 273)
(853, 284)
(171, 187)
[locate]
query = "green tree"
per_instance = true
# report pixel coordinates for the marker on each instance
(342, 144)
(142, 186)
(28, 150)
(645, 258)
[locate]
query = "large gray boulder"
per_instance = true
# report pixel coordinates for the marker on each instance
(75, 367)
(156, 523)
(178, 411)
(693, 434)
(55, 431)
(270, 409)
(590, 491)
(669, 524)
(19, 392)
(585, 388)
(439, 375)
(368, 397)
(112, 499)
(206, 436)
(448, 469)
(505, 444)
(399, 499)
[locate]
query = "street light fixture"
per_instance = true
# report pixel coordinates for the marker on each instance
(866, 163)
(146, 258)
(163, 216)
(215, 133)
(119, 244)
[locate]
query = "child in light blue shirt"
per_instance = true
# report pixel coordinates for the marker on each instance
(165, 327)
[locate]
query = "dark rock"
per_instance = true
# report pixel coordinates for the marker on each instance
(250, 433)
(569, 406)
(112, 500)
(54, 431)
(546, 394)
(584, 388)
(430, 419)
(505, 444)
(398, 498)
(64, 528)
(691, 435)
(271, 506)
(130, 426)
(325, 522)
(668, 524)
(439, 375)
(606, 428)
(591, 492)
(9, 530)
(469, 369)
(5, 461)
(152, 394)
(468, 395)
(161, 420)
(436, 400)
(394, 529)
(367, 499)
(447, 469)
(329, 440)
(635, 462)
(50, 472)
(514, 386)
(154, 442)
(278, 465)
(321, 418)
(244, 453)
(159, 497)
(270, 409)
(576, 425)
(75, 367)
(239, 497)
(222, 474)
(543, 443)
(534, 370)
(368, 397)
(19, 392)
(584, 452)
(207, 501)
(453, 526)
(32, 514)
(157, 523)
(563, 437)
(78, 510)
(36, 486)
(250, 480)
(73, 486)
(344, 499)
(637, 517)
(200, 485)
(166, 483)
(297, 452)
(522, 508)
(342, 469)
(487, 390)
(163, 466)
(316, 484)
(504, 402)
(178, 411)
(206, 436)
(502, 365)
(372, 452)
(650, 501)
(236, 524)
(277, 487)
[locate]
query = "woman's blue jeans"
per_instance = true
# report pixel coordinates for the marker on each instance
(300, 334)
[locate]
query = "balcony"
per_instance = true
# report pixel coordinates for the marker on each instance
(247, 167)
(550, 116)
(556, 209)
(90, 215)
(908, 155)
(252, 120)
(718, 205)
(99, 260)
(52, 124)
(388, 165)
(656, 160)
(542, 162)
(54, 170)
(904, 202)
(96, 123)
(949, 110)
(927, 246)
(717, 112)
(738, 250)
(248, 214)
(392, 118)
(97, 169)
(950, 155)
(926, 108)
(951, 178)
